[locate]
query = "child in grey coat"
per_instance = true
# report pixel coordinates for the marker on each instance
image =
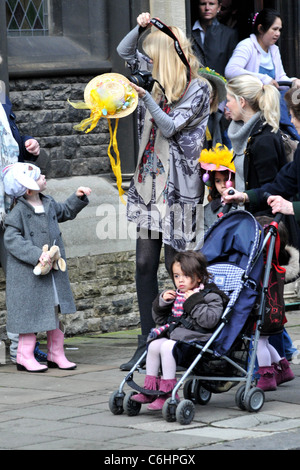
(34, 301)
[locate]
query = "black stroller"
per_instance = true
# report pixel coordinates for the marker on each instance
(234, 248)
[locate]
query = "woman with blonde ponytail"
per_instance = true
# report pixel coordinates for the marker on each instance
(254, 131)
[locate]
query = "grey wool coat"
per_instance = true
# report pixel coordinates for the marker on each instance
(29, 298)
(203, 312)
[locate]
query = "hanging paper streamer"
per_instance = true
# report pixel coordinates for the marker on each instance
(116, 165)
(110, 96)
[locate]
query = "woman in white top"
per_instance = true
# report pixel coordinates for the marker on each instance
(258, 55)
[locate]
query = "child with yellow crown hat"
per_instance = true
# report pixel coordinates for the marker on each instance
(219, 175)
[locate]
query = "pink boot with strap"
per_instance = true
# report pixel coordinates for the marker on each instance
(151, 383)
(165, 386)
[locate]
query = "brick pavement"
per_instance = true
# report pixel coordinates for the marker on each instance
(68, 410)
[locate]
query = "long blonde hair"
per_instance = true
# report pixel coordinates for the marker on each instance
(168, 69)
(264, 98)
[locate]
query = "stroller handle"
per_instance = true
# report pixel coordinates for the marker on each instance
(278, 216)
(285, 83)
(227, 207)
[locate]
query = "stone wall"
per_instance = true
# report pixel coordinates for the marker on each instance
(104, 292)
(103, 282)
(103, 285)
(43, 111)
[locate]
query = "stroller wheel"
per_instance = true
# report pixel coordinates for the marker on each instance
(194, 391)
(132, 408)
(189, 390)
(254, 399)
(185, 412)
(239, 397)
(203, 395)
(169, 410)
(116, 403)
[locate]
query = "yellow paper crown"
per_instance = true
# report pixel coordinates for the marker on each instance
(218, 158)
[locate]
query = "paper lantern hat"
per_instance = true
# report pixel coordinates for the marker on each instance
(219, 158)
(110, 96)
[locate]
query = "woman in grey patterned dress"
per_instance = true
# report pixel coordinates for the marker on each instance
(166, 192)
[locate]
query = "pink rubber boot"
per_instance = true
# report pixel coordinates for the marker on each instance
(151, 383)
(25, 354)
(165, 386)
(267, 381)
(56, 355)
(283, 372)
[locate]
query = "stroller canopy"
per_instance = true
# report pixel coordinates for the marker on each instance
(232, 247)
(235, 238)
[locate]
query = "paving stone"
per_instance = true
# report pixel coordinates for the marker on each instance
(68, 410)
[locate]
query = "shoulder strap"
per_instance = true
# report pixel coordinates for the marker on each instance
(212, 287)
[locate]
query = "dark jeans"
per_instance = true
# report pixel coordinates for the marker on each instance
(148, 249)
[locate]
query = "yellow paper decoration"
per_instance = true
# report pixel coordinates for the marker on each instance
(111, 96)
(217, 158)
(116, 165)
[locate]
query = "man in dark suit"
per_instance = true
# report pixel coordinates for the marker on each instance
(213, 42)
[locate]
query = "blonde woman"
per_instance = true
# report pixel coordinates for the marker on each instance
(167, 187)
(286, 184)
(254, 131)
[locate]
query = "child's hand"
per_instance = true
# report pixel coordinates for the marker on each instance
(44, 259)
(32, 146)
(81, 191)
(169, 295)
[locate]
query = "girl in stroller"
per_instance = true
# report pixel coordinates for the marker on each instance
(195, 308)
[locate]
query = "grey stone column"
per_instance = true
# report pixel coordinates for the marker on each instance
(3, 46)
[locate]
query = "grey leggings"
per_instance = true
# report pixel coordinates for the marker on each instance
(147, 261)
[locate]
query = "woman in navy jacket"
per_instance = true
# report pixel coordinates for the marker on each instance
(28, 146)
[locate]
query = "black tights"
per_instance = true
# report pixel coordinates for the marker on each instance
(147, 262)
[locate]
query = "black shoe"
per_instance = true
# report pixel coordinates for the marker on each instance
(142, 344)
